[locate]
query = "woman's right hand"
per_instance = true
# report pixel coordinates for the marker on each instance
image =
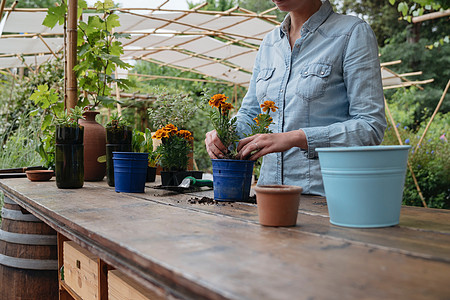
(214, 146)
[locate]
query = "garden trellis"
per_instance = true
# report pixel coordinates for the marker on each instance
(220, 45)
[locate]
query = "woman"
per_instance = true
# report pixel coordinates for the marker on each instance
(323, 72)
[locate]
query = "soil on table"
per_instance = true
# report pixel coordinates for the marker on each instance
(210, 201)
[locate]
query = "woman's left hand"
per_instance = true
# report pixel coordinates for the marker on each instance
(271, 142)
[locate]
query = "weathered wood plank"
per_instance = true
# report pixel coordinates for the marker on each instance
(221, 252)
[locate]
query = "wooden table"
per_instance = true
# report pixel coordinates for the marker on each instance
(219, 251)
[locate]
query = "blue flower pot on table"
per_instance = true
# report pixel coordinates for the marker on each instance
(232, 179)
(130, 171)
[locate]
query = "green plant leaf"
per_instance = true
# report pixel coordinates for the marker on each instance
(55, 15)
(403, 8)
(112, 21)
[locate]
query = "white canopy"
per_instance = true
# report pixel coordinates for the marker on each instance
(221, 45)
(186, 40)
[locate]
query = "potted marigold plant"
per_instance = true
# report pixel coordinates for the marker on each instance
(277, 204)
(174, 154)
(232, 177)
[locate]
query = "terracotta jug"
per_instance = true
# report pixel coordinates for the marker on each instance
(94, 147)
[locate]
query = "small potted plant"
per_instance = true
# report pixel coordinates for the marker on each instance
(143, 142)
(277, 204)
(174, 150)
(232, 177)
(172, 107)
(69, 151)
(118, 138)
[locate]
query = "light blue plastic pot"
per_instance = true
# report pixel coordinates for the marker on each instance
(364, 185)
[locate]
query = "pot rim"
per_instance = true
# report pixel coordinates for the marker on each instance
(363, 148)
(233, 160)
(278, 189)
(39, 171)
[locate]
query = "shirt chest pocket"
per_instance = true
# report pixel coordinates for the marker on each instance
(262, 82)
(313, 81)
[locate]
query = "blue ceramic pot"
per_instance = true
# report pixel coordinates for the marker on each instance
(232, 179)
(364, 185)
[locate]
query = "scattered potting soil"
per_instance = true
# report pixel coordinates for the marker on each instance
(203, 200)
(210, 201)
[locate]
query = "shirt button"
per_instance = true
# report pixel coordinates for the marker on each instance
(282, 90)
(306, 73)
(322, 72)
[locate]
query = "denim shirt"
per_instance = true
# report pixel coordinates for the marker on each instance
(329, 85)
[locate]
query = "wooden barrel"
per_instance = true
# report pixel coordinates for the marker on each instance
(28, 256)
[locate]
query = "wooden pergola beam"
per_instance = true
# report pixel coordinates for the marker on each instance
(406, 84)
(2, 9)
(431, 16)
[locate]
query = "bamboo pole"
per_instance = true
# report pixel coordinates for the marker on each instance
(403, 75)
(153, 17)
(133, 95)
(402, 78)
(24, 54)
(406, 84)
(431, 16)
(30, 35)
(71, 89)
(152, 77)
(2, 9)
(389, 63)
(46, 45)
(432, 118)
(416, 183)
(205, 12)
(195, 9)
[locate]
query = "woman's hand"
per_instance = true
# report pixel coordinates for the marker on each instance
(214, 146)
(269, 143)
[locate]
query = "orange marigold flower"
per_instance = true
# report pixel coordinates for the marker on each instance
(256, 120)
(170, 129)
(269, 105)
(226, 106)
(160, 134)
(217, 100)
(186, 134)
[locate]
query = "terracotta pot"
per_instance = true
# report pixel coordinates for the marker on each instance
(94, 147)
(278, 204)
(40, 175)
